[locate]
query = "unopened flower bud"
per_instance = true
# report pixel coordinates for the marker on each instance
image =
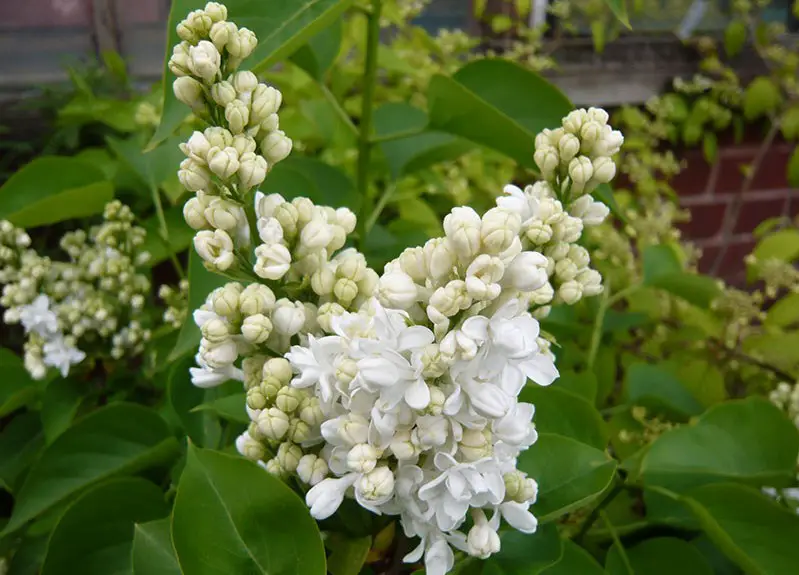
(223, 163)
(256, 328)
(570, 292)
(362, 458)
(322, 281)
(221, 32)
(204, 60)
(482, 540)
(397, 290)
(273, 423)
(249, 447)
(252, 170)
(462, 227)
(193, 176)
(241, 44)
(527, 271)
(273, 261)
(568, 147)
(189, 91)
(346, 219)
(266, 101)
(327, 312)
(256, 398)
(274, 468)
(276, 146)
(244, 81)
(377, 485)
(315, 234)
(215, 331)
(580, 170)
(224, 215)
(575, 120)
(604, 169)
(223, 93)
(312, 469)
(299, 431)
(310, 411)
(237, 115)
(216, 11)
(225, 300)
(591, 281)
(288, 317)
(278, 367)
(193, 213)
(289, 455)
(345, 290)
(256, 299)
(475, 444)
(288, 399)
(547, 160)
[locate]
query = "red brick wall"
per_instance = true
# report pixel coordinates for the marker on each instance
(708, 191)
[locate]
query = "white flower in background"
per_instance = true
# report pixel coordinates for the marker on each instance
(61, 355)
(38, 318)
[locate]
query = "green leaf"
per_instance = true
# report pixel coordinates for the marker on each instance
(784, 312)
(619, 8)
(95, 534)
(663, 269)
(561, 412)
(229, 408)
(583, 384)
(734, 37)
(247, 521)
(52, 189)
(347, 556)
(570, 474)
(409, 154)
(60, 404)
(659, 260)
(789, 125)
(310, 178)
(575, 561)
(153, 553)
(655, 387)
(201, 283)
(793, 168)
(498, 104)
(117, 439)
(703, 380)
(726, 444)
(762, 96)
(281, 29)
(18, 388)
(782, 245)
(29, 556)
(318, 55)
(20, 442)
(180, 235)
(522, 554)
(202, 428)
(754, 531)
(152, 167)
(604, 193)
(659, 556)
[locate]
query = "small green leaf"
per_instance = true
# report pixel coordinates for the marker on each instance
(152, 167)
(52, 189)
(575, 561)
(659, 556)
(310, 178)
(784, 312)
(655, 387)
(570, 474)
(729, 513)
(561, 412)
(229, 408)
(761, 97)
(734, 37)
(318, 55)
(489, 102)
(20, 443)
(660, 260)
(619, 8)
(95, 534)
(710, 147)
(60, 404)
(412, 153)
(18, 388)
(201, 284)
(347, 556)
(117, 439)
(522, 554)
(726, 444)
(696, 289)
(789, 125)
(248, 521)
(782, 245)
(153, 553)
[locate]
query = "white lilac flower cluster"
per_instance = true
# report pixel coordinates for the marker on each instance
(402, 390)
(69, 308)
(227, 161)
(786, 397)
(177, 303)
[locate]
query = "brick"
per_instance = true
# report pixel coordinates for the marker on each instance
(706, 220)
(45, 13)
(732, 268)
(770, 176)
(755, 211)
(693, 179)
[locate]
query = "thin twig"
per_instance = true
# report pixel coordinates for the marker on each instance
(737, 201)
(381, 203)
(617, 542)
(398, 135)
(340, 111)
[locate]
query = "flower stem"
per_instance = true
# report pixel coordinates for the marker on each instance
(163, 232)
(617, 542)
(367, 108)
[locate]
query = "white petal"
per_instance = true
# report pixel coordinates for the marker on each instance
(325, 497)
(417, 394)
(414, 337)
(518, 517)
(540, 369)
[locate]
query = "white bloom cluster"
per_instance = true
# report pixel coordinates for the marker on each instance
(177, 303)
(69, 308)
(786, 397)
(226, 162)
